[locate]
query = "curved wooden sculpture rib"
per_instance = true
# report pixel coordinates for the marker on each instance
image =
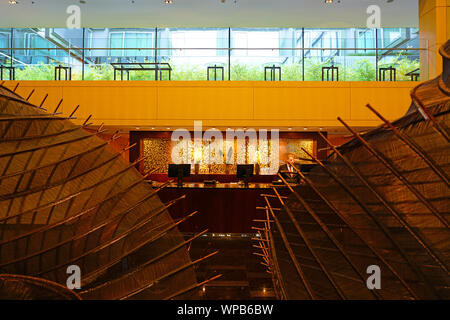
(382, 199)
(17, 287)
(67, 198)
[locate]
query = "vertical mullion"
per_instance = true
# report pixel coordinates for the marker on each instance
(303, 54)
(156, 45)
(12, 45)
(376, 54)
(229, 53)
(83, 54)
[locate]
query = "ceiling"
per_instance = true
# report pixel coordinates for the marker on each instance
(208, 13)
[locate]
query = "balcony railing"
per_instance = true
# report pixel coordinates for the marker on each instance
(301, 63)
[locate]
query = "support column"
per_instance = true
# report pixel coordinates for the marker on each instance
(435, 28)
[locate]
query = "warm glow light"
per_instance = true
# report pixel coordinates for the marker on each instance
(197, 156)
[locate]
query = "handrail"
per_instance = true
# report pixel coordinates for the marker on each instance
(216, 48)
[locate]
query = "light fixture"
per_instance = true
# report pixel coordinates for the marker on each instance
(13, 2)
(328, 1)
(168, 1)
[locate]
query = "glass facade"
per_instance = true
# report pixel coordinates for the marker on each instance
(289, 54)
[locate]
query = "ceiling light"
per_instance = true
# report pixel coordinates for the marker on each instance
(13, 2)
(168, 1)
(328, 1)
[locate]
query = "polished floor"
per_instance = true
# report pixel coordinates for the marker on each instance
(243, 275)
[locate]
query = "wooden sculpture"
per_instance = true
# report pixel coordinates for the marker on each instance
(379, 205)
(68, 199)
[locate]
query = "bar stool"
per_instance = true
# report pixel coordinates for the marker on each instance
(273, 69)
(12, 72)
(392, 74)
(215, 68)
(67, 72)
(327, 70)
(415, 74)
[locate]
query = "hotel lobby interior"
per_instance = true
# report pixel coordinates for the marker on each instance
(224, 150)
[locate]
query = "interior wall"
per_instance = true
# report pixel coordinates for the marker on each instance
(142, 105)
(434, 27)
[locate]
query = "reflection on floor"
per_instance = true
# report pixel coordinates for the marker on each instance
(243, 275)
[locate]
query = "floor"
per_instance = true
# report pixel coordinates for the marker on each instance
(243, 275)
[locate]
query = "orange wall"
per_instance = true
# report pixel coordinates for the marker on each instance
(434, 27)
(143, 104)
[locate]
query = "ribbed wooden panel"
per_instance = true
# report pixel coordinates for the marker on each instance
(384, 200)
(67, 198)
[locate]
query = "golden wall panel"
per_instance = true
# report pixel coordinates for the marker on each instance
(159, 152)
(176, 104)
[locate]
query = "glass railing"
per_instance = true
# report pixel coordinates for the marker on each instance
(308, 56)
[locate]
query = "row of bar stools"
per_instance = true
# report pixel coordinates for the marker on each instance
(392, 74)
(214, 68)
(327, 70)
(273, 69)
(67, 72)
(12, 72)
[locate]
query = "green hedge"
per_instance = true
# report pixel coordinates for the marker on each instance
(362, 70)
